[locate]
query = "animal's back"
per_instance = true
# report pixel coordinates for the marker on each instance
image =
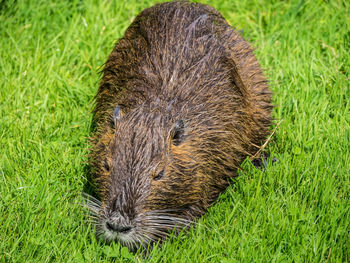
(182, 54)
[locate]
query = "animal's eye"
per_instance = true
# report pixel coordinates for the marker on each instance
(178, 132)
(117, 114)
(106, 166)
(159, 176)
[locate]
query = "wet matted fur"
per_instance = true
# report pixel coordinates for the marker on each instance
(182, 102)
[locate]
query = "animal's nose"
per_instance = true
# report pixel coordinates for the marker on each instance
(117, 228)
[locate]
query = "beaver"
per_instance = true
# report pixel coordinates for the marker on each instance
(182, 102)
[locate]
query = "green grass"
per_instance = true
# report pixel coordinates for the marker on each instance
(295, 211)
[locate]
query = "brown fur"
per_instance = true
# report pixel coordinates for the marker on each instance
(176, 61)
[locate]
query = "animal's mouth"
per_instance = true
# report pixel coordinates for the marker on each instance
(121, 229)
(117, 228)
(143, 230)
(126, 235)
(154, 228)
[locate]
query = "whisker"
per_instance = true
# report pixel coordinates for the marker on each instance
(172, 219)
(169, 225)
(91, 198)
(156, 232)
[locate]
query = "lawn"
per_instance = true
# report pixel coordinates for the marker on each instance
(296, 210)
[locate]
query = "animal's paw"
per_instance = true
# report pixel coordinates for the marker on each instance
(263, 161)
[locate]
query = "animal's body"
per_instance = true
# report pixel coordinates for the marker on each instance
(182, 102)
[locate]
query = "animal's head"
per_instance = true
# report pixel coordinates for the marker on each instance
(151, 178)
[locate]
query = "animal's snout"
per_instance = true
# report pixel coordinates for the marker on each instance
(115, 227)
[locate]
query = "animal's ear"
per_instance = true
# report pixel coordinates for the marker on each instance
(178, 132)
(117, 114)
